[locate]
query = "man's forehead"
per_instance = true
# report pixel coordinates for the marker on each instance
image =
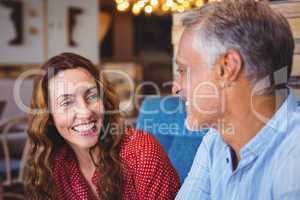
(187, 39)
(186, 49)
(188, 35)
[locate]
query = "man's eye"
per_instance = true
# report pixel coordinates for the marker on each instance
(181, 71)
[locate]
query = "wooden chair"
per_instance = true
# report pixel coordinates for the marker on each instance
(13, 129)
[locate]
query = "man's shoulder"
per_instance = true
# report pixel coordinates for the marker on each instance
(290, 145)
(292, 138)
(287, 144)
(286, 163)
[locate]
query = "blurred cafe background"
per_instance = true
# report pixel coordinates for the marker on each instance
(137, 38)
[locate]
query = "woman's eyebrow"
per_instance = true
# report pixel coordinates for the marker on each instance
(91, 89)
(64, 96)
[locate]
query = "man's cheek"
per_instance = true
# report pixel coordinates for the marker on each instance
(192, 105)
(190, 88)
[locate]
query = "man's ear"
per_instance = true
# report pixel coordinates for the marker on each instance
(229, 66)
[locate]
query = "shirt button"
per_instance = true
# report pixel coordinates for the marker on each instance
(227, 160)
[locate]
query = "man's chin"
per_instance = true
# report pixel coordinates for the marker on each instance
(192, 124)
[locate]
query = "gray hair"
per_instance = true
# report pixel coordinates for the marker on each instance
(261, 35)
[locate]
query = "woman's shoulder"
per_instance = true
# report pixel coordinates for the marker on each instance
(145, 161)
(138, 140)
(136, 135)
(140, 144)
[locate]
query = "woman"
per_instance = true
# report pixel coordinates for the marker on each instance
(79, 149)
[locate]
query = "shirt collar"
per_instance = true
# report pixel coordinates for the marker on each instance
(277, 124)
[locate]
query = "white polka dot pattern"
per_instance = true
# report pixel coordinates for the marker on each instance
(147, 171)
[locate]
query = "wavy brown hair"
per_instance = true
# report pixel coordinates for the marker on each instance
(45, 139)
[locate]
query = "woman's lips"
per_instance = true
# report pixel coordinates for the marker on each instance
(86, 129)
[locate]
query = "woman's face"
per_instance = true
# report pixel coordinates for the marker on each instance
(76, 107)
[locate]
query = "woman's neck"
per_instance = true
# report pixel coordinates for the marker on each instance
(84, 158)
(86, 161)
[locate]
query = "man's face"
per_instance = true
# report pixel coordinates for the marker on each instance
(197, 84)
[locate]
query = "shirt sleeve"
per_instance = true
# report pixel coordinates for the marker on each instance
(286, 185)
(197, 183)
(155, 177)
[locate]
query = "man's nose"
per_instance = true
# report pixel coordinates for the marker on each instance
(176, 87)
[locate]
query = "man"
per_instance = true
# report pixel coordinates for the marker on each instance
(234, 60)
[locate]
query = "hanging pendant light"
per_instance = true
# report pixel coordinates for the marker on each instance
(159, 7)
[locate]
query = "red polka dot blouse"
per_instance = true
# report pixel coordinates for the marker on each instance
(148, 175)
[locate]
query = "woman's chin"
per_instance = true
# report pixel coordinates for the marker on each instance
(86, 143)
(86, 139)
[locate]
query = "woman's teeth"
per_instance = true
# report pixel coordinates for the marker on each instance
(84, 127)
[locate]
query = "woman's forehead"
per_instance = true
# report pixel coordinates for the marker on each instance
(71, 81)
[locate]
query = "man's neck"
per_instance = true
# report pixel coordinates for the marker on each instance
(247, 121)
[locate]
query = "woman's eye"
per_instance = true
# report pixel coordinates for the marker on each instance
(93, 97)
(66, 104)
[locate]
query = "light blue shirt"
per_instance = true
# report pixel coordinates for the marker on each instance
(269, 167)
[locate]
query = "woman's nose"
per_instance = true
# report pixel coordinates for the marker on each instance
(82, 109)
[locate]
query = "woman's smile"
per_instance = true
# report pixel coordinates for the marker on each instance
(89, 128)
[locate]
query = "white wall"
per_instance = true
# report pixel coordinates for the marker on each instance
(87, 33)
(51, 39)
(32, 50)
